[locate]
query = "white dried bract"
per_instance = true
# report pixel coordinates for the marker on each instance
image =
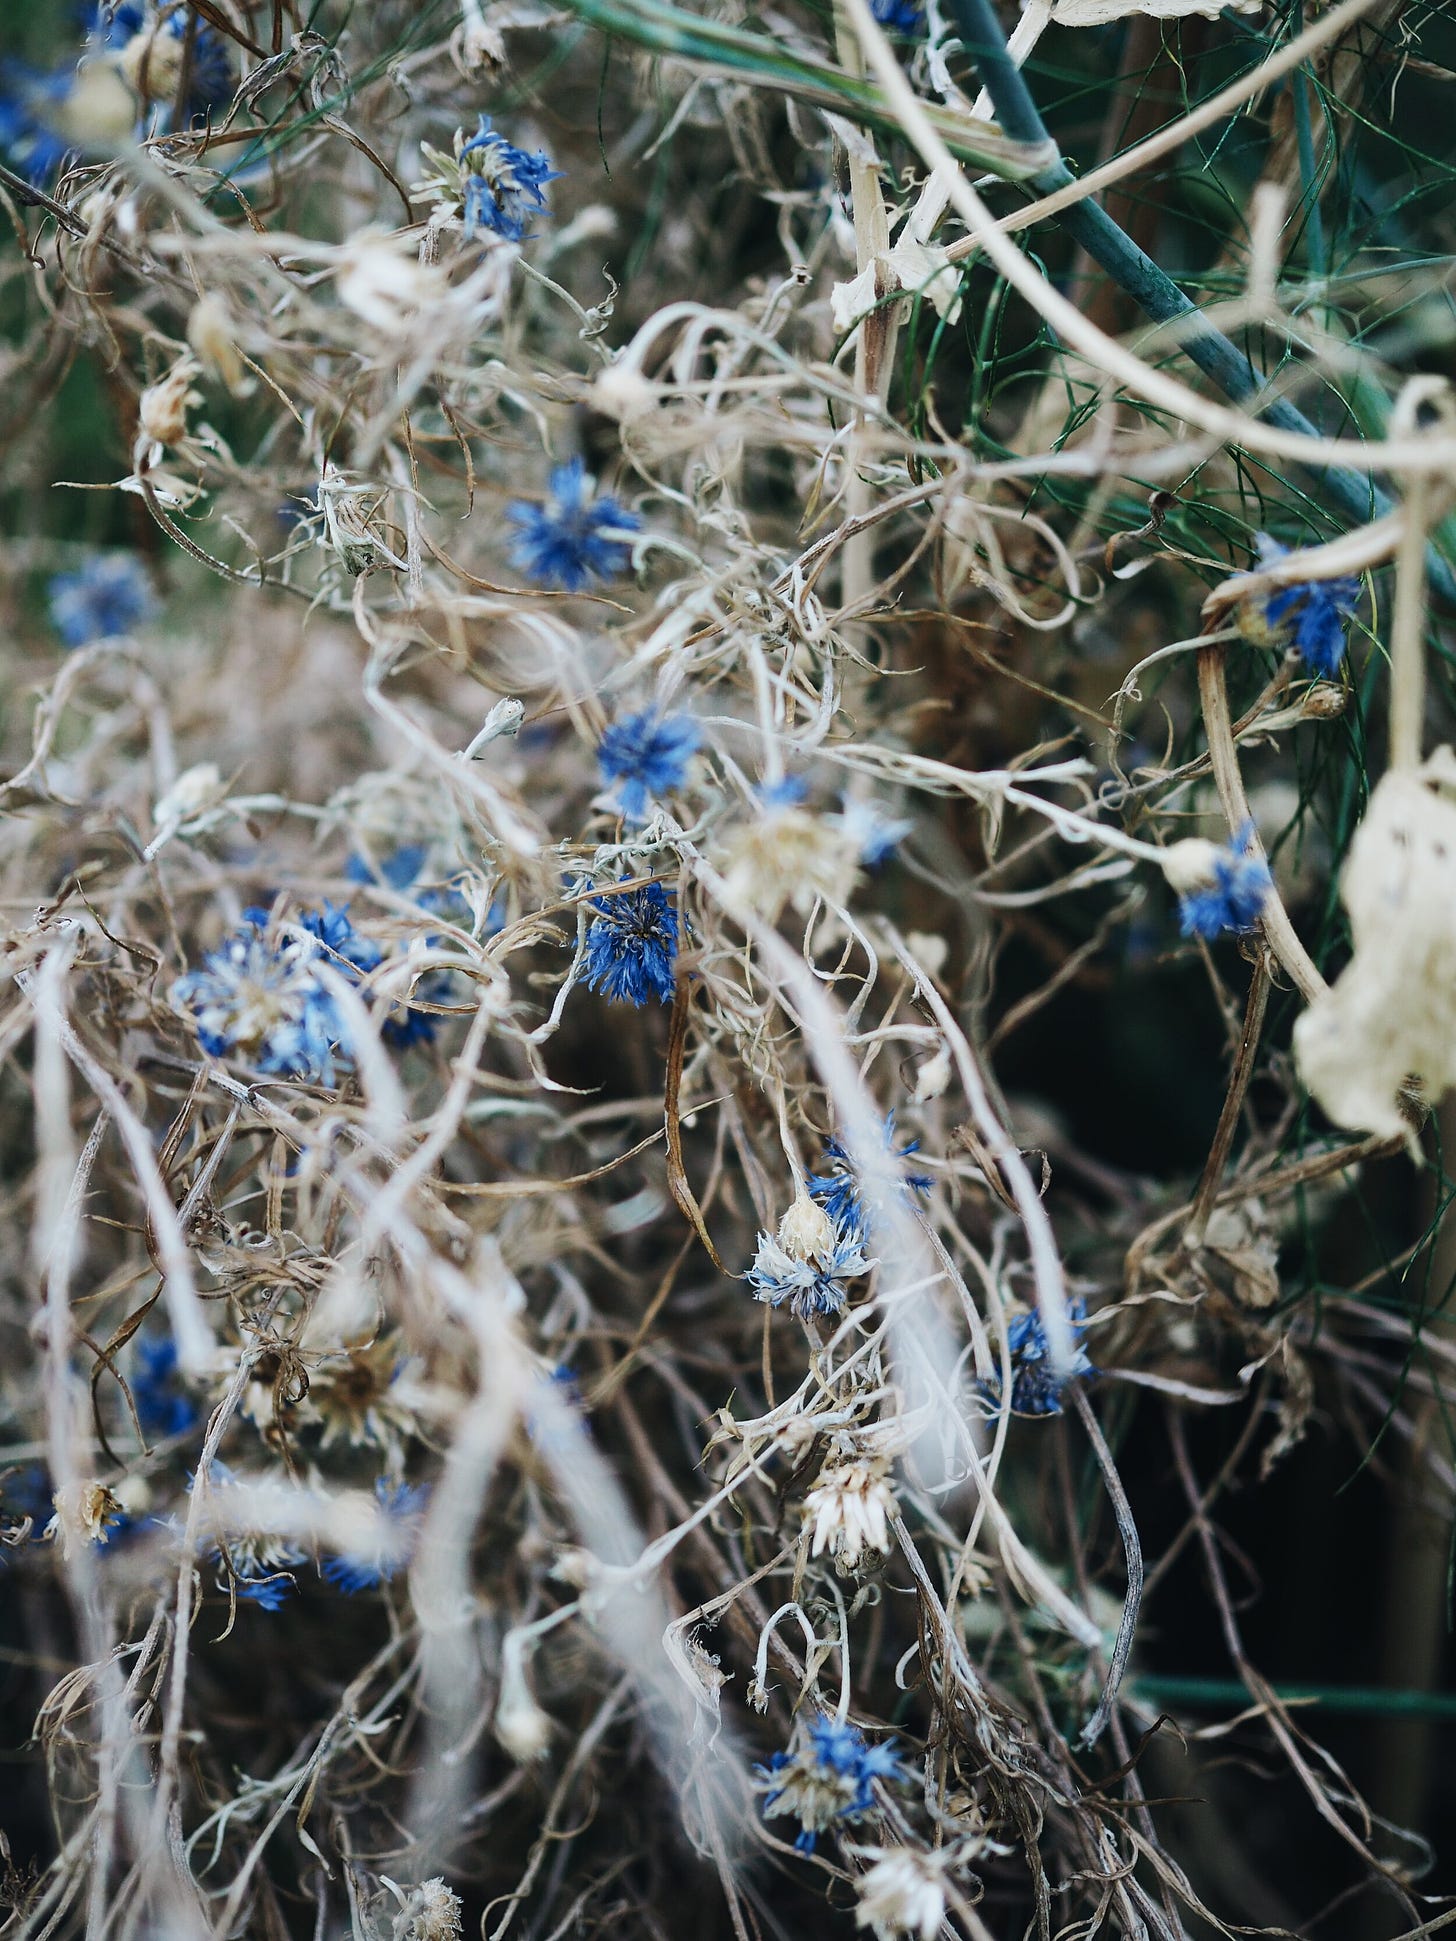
(429, 1912)
(84, 1514)
(1189, 865)
(1391, 1016)
(806, 1230)
(908, 268)
(622, 392)
(902, 1893)
(210, 333)
(99, 109)
(195, 791)
(1097, 13)
(163, 412)
(933, 1076)
(850, 1507)
(789, 855)
(381, 279)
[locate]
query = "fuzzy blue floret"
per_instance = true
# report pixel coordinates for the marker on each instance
(1311, 615)
(646, 755)
(838, 1189)
(1035, 1390)
(1235, 898)
(107, 597)
(631, 948)
(162, 1407)
(402, 1505)
(898, 16)
(574, 539)
(502, 184)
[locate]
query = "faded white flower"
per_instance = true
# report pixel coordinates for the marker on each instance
(84, 1514)
(1392, 1014)
(429, 1912)
(210, 333)
(162, 415)
(195, 791)
(850, 1507)
(933, 1076)
(902, 1893)
(381, 279)
(789, 855)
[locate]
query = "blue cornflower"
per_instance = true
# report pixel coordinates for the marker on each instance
(161, 1405)
(256, 1564)
(108, 596)
(400, 871)
(631, 948)
(1309, 616)
(828, 1775)
(573, 539)
(29, 102)
(898, 16)
(647, 754)
(808, 1286)
(838, 1190)
(260, 996)
(152, 51)
(1035, 1390)
(876, 836)
(1235, 895)
(401, 1507)
(501, 183)
(341, 941)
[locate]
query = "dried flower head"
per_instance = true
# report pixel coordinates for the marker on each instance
(903, 1893)
(645, 755)
(1036, 1388)
(85, 1513)
(826, 1777)
(850, 1507)
(788, 854)
(428, 1912)
(1219, 889)
(808, 1286)
(1391, 1015)
(107, 597)
(162, 414)
(631, 946)
(1309, 616)
(575, 538)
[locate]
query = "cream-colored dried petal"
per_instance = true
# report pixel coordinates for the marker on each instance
(1392, 1014)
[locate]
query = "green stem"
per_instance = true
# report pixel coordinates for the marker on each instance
(1150, 287)
(1209, 1693)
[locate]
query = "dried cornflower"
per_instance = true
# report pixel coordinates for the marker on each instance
(1309, 616)
(107, 597)
(1036, 1389)
(902, 1893)
(850, 1507)
(385, 1543)
(787, 854)
(826, 1777)
(631, 947)
(84, 1513)
(428, 1912)
(812, 1286)
(1219, 889)
(574, 538)
(838, 1189)
(487, 183)
(646, 755)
